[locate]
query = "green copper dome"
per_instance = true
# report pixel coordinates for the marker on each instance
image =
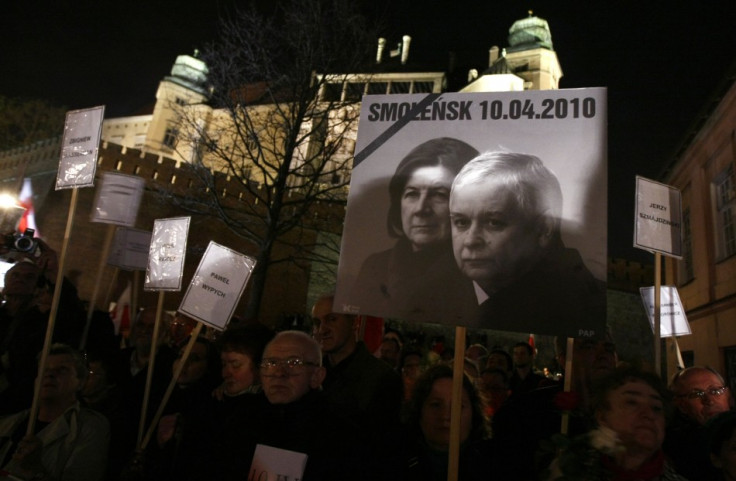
(528, 33)
(190, 72)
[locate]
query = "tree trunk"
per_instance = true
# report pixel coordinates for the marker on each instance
(257, 283)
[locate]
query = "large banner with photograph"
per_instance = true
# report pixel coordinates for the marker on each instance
(486, 210)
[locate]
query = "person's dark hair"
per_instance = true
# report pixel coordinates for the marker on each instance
(422, 389)
(447, 152)
(409, 350)
(80, 365)
(620, 376)
(394, 331)
(480, 346)
(506, 355)
(393, 341)
(526, 345)
(211, 378)
(248, 339)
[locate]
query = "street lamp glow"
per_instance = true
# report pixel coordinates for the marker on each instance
(8, 201)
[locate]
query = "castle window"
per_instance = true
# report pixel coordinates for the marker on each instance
(423, 87)
(170, 137)
(686, 273)
(332, 92)
(401, 87)
(378, 88)
(180, 101)
(354, 91)
(725, 212)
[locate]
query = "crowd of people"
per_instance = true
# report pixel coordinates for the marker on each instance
(354, 414)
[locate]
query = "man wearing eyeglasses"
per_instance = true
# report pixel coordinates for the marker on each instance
(291, 367)
(293, 414)
(700, 394)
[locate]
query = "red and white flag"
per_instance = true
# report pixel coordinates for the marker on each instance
(25, 199)
(120, 314)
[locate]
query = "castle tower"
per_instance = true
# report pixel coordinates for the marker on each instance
(530, 54)
(528, 63)
(185, 89)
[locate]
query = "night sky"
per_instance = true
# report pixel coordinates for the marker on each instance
(661, 61)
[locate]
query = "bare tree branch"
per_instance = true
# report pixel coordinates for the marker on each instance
(270, 133)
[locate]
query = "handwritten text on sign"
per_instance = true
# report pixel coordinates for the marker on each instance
(673, 320)
(166, 255)
(217, 285)
(79, 148)
(658, 223)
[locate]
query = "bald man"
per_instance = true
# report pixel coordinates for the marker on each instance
(292, 413)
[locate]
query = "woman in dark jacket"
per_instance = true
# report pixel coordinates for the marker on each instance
(427, 424)
(395, 281)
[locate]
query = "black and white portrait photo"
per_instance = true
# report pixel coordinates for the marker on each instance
(492, 219)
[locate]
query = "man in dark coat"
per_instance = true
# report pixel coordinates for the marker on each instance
(292, 413)
(361, 386)
(700, 394)
(505, 211)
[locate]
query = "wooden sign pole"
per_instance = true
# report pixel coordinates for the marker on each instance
(110, 288)
(657, 314)
(151, 365)
(179, 368)
(96, 289)
(564, 428)
(458, 371)
(52, 314)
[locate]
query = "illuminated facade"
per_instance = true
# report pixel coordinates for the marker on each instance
(706, 276)
(529, 63)
(156, 147)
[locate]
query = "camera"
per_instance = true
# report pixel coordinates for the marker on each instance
(24, 242)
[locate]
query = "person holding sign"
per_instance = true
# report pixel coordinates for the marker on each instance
(428, 429)
(70, 441)
(24, 316)
(184, 436)
(505, 211)
(396, 280)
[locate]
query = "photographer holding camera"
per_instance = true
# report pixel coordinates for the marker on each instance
(24, 315)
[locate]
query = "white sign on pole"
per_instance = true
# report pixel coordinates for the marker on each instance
(658, 218)
(118, 199)
(130, 249)
(79, 148)
(166, 254)
(417, 269)
(217, 285)
(274, 464)
(673, 321)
